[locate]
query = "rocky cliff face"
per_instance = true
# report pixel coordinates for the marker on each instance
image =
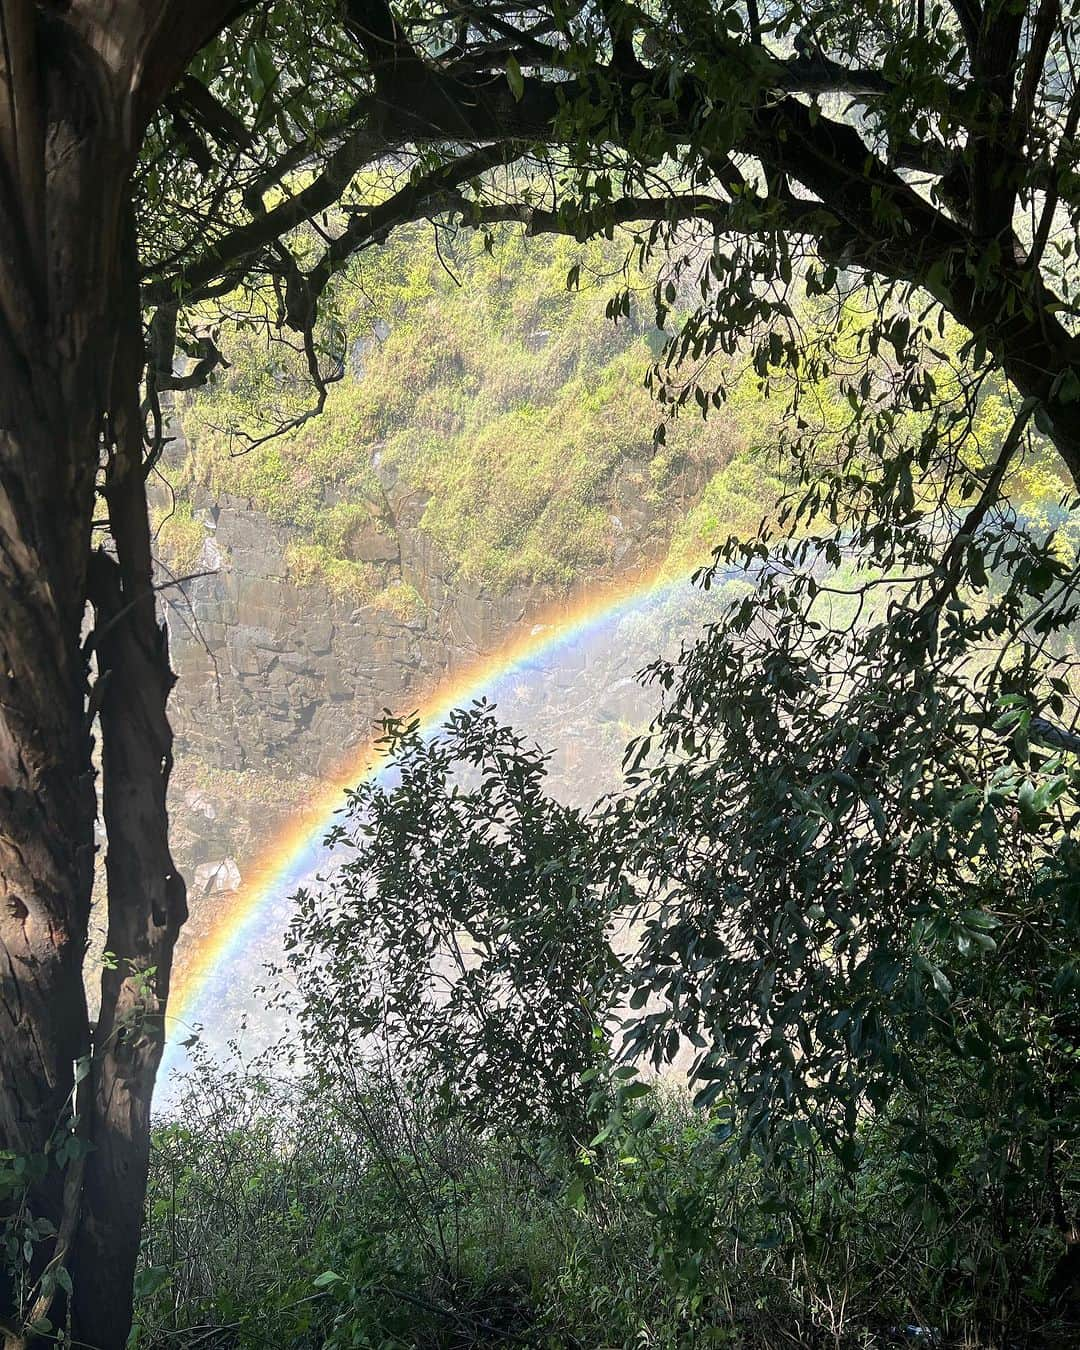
(279, 680)
(494, 427)
(285, 678)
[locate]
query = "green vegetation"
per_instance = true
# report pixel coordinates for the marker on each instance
(354, 1215)
(883, 1142)
(499, 411)
(178, 537)
(315, 564)
(508, 420)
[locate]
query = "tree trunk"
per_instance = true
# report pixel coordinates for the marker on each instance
(47, 807)
(76, 85)
(146, 894)
(61, 186)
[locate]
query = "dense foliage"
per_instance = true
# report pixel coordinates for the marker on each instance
(466, 929)
(886, 1041)
(347, 1212)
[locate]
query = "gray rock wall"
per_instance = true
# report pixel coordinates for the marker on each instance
(285, 679)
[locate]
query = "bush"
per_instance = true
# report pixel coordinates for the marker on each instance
(308, 1213)
(467, 925)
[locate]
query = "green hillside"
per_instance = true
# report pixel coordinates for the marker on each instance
(508, 410)
(503, 414)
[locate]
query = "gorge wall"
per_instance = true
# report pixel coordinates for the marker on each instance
(279, 679)
(489, 455)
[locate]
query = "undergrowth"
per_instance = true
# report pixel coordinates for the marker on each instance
(283, 1214)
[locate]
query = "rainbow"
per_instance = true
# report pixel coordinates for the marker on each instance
(296, 851)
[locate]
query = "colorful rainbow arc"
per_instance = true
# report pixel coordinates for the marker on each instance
(296, 850)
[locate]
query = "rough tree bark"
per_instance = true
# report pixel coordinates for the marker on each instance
(61, 186)
(147, 902)
(76, 84)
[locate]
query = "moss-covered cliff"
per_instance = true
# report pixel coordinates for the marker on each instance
(507, 414)
(488, 450)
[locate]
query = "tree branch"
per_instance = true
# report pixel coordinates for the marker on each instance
(724, 216)
(950, 567)
(361, 148)
(428, 195)
(217, 120)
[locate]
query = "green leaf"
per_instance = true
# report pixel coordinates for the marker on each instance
(941, 982)
(148, 1281)
(976, 918)
(575, 1192)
